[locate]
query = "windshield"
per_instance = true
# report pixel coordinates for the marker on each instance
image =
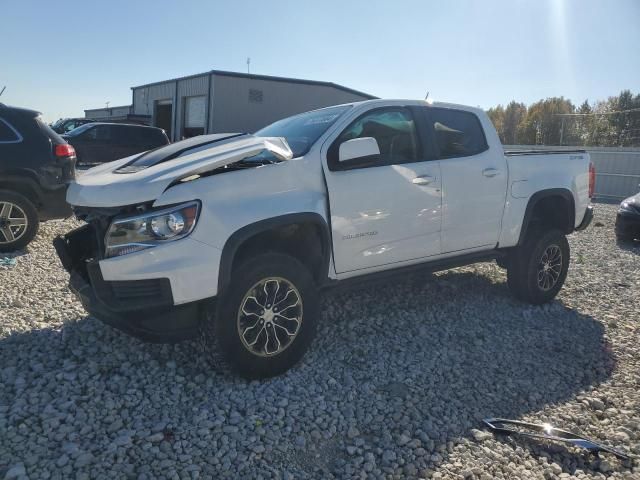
(77, 131)
(302, 131)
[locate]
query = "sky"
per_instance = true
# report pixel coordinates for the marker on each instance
(62, 57)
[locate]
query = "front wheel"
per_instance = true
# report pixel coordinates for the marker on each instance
(18, 221)
(538, 268)
(266, 318)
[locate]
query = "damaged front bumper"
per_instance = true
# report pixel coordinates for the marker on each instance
(144, 308)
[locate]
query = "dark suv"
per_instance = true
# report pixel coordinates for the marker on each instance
(36, 165)
(103, 142)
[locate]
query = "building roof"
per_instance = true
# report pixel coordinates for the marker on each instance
(262, 77)
(106, 108)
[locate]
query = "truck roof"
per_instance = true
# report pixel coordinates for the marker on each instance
(428, 103)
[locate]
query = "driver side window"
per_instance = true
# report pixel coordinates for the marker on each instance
(393, 128)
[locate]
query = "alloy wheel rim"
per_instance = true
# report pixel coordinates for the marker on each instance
(13, 222)
(549, 267)
(270, 316)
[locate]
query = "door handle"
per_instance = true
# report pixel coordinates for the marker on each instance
(490, 172)
(423, 180)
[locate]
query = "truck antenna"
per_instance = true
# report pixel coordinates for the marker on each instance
(2, 91)
(427, 96)
(248, 64)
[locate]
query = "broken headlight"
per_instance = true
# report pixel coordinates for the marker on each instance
(155, 227)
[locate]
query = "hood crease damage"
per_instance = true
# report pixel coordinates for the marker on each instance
(117, 183)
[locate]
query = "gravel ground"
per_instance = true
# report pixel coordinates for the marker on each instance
(395, 386)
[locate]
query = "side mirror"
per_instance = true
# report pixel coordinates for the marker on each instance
(358, 148)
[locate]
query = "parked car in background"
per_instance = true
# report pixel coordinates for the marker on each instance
(628, 219)
(237, 233)
(65, 125)
(99, 142)
(36, 165)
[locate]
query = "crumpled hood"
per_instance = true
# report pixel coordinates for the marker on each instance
(121, 182)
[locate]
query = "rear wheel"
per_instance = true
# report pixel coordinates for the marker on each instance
(266, 318)
(538, 268)
(18, 221)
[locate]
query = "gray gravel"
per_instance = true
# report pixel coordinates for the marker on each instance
(395, 386)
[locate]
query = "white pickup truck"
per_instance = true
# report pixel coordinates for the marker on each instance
(234, 235)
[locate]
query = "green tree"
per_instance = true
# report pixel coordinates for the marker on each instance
(545, 125)
(514, 114)
(584, 124)
(556, 121)
(496, 114)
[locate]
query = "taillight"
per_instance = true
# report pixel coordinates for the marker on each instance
(592, 179)
(64, 150)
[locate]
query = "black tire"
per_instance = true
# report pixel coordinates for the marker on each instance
(527, 277)
(21, 237)
(222, 330)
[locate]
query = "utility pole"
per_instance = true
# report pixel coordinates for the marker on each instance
(107, 104)
(248, 64)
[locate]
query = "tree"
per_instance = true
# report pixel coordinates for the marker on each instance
(496, 115)
(514, 114)
(556, 121)
(584, 124)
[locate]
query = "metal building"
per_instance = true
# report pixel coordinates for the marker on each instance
(218, 101)
(122, 113)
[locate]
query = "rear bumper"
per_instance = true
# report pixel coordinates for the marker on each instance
(142, 308)
(54, 204)
(586, 220)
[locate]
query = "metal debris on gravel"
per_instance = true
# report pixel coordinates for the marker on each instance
(396, 384)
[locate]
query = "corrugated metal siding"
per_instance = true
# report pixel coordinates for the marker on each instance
(233, 112)
(190, 87)
(120, 111)
(617, 169)
(103, 112)
(144, 97)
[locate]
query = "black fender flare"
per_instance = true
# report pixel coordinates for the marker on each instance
(240, 236)
(540, 195)
(23, 185)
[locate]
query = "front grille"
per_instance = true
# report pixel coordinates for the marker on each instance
(77, 248)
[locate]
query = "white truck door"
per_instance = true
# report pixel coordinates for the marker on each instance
(386, 207)
(474, 179)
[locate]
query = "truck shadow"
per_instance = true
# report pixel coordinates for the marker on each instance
(428, 356)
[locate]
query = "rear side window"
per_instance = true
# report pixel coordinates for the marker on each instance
(100, 132)
(457, 133)
(123, 134)
(8, 134)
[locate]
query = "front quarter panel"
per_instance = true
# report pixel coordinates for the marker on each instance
(233, 200)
